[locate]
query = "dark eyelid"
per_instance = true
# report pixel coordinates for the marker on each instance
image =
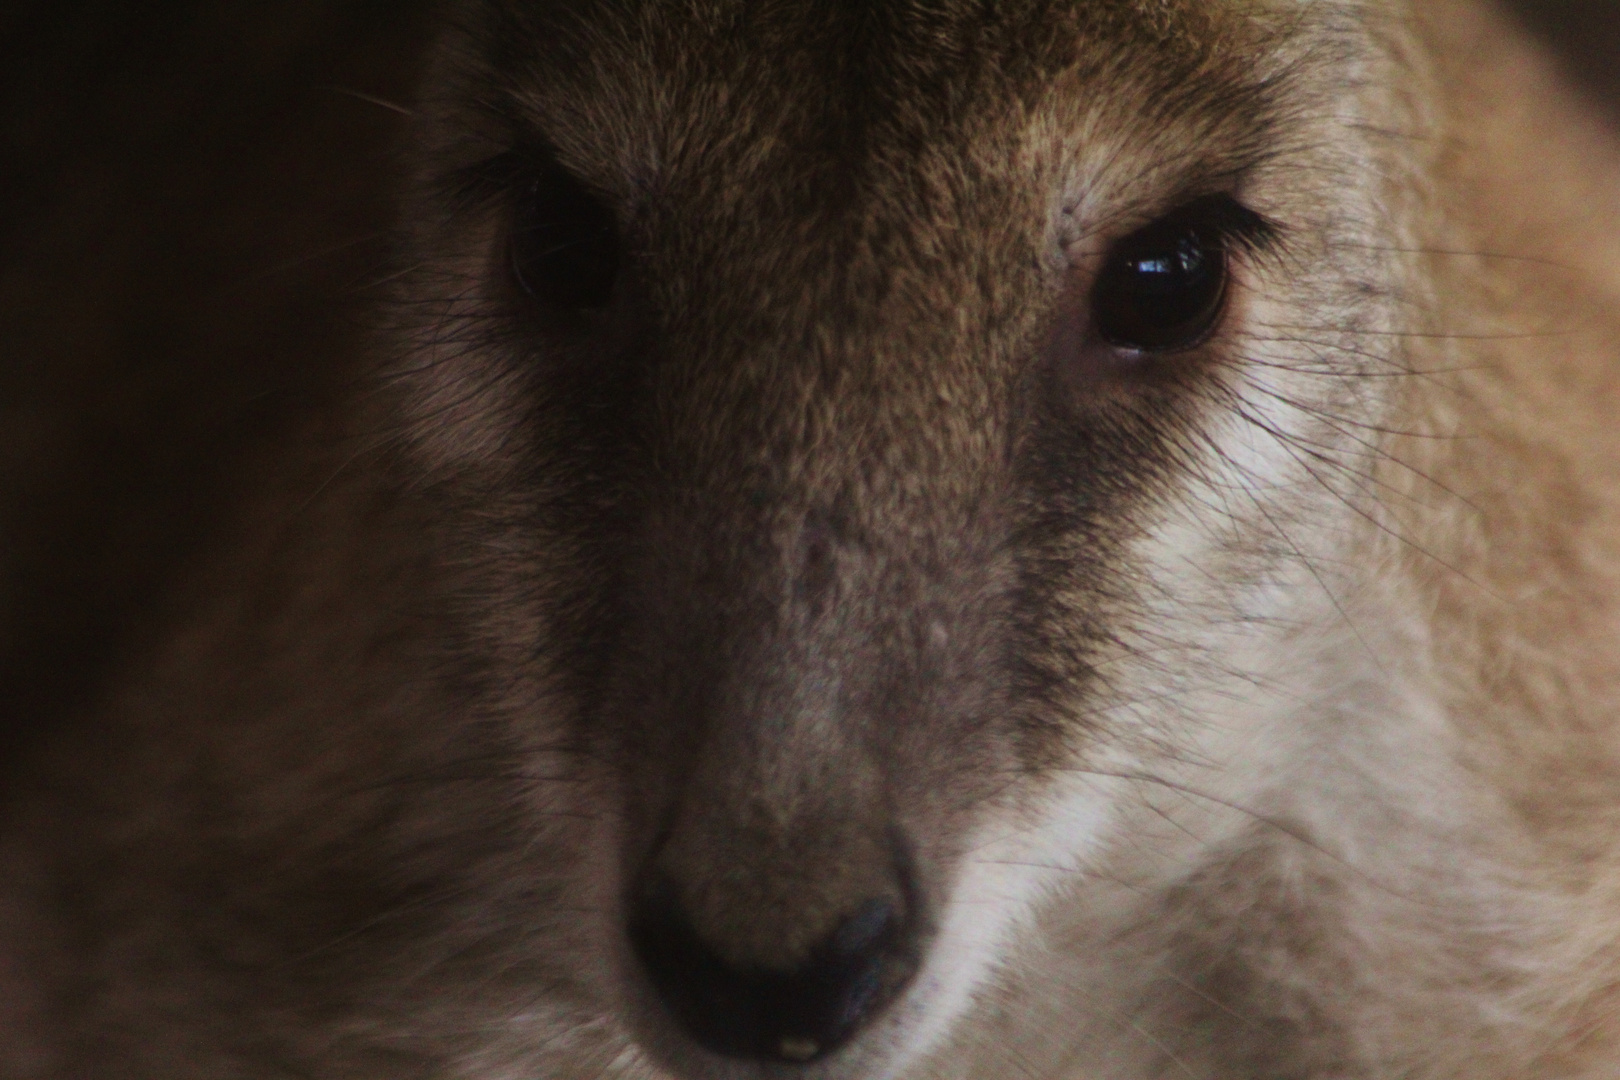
(1223, 220)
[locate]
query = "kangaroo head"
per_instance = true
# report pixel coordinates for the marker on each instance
(891, 432)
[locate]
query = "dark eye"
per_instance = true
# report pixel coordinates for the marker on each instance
(1163, 289)
(565, 244)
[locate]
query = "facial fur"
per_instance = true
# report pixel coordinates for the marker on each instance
(783, 612)
(873, 542)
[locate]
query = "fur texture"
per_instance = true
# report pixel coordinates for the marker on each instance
(1238, 711)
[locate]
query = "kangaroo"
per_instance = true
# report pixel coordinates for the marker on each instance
(1060, 539)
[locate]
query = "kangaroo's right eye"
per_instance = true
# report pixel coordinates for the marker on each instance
(1163, 289)
(565, 248)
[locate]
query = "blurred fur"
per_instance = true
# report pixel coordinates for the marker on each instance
(1250, 719)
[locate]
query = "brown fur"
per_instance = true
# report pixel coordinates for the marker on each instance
(1242, 712)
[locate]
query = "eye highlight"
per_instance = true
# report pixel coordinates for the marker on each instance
(1164, 288)
(565, 247)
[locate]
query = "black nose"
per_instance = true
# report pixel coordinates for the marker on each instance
(792, 1016)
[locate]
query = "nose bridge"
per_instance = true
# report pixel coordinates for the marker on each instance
(783, 739)
(783, 802)
(825, 427)
(779, 912)
(817, 551)
(780, 906)
(821, 512)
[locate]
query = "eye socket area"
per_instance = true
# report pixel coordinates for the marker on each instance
(565, 248)
(1164, 288)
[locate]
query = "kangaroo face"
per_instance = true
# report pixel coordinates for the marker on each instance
(897, 435)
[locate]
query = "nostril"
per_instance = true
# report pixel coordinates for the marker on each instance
(791, 1016)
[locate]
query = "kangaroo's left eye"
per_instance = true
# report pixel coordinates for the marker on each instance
(1164, 287)
(565, 245)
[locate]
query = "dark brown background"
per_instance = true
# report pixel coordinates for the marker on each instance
(193, 197)
(192, 200)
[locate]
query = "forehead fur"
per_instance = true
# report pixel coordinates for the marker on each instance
(824, 83)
